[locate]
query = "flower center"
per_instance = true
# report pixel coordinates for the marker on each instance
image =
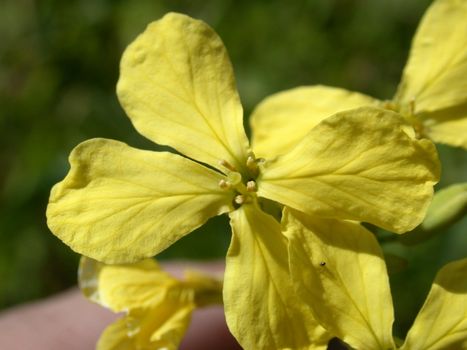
(243, 185)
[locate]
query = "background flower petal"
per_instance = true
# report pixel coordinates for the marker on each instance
(125, 287)
(358, 165)
(281, 120)
(442, 321)
(448, 126)
(119, 204)
(434, 76)
(177, 86)
(262, 309)
(147, 329)
(115, 337)
(157, 306)
(338, 269)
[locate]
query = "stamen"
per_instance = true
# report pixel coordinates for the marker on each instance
(251, 186)
(225, 185)
(251, 163)
(227, 165)
(240, 199)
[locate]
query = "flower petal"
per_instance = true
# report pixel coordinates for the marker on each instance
(178, 88)
(261, 307)
(126, 287)
(448, 126)
(115, 337)
(339, 270)
(281, 121)
(357, 165)
(120, 204)
(434, 76)
(442, 321)
(162, 329)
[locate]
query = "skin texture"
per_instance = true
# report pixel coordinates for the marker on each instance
(69, 321)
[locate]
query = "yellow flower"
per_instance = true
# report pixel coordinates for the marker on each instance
(157, 306)
(119, 204)
(432, 94)
(339, 270)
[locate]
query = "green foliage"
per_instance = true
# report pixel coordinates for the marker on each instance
(58, 69)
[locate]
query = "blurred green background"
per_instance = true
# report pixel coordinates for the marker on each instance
(58, 70)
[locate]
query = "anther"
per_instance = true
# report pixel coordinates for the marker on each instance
(227, 165)
(251, 163)
(251, 186)
(240, 199)
(225, 185)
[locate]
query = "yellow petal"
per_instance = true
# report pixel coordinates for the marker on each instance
(261, 307)
(177, 86)
(442, 321)
(357, 165)
(434, 76)
(143, 285)
(283, 119)
(125, 287)
(339, 270)
(162, 328)
(115, 337)
(149, 329)
(120, 204)
(448, 126)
